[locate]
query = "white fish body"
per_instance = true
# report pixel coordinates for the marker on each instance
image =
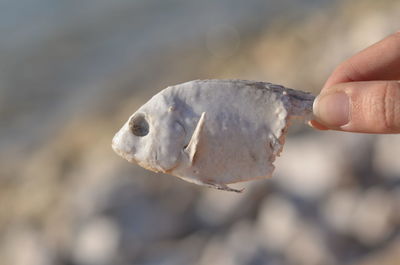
(212, 132)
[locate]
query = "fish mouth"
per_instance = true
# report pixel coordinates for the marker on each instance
(127, 153)
(122, 154)
(115, 147)
(131, 158)
(120, 151)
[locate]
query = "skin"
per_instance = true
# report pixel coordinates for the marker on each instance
(369, 82)
(212, 132)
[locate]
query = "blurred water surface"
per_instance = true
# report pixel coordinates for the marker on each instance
(57, 55)
(72, 71)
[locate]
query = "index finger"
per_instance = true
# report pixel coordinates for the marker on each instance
(380, 61)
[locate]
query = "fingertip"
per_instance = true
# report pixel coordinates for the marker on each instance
(366, 107)
(332, 110)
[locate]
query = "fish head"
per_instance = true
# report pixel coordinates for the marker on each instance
(153, 136)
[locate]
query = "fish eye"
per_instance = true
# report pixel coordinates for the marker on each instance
(138, 125)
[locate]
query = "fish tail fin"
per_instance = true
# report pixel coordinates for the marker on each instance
(300, 104)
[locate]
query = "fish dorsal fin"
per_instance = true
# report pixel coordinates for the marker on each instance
(192, 148)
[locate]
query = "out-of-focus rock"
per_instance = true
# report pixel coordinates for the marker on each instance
(339, 208)
(307, 247)
(305, 167)
(97, 242)
(387, 256)
(239, 246)
(277, 223)
(22, 245)
(367, 216)
(387, 149)
(372, 217)
(215, 207)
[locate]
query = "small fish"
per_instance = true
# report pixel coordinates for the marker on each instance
(212, 132)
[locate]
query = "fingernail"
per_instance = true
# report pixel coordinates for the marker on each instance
(316, 125)
(332, 110)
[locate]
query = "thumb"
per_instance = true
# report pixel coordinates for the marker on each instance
(368, 107)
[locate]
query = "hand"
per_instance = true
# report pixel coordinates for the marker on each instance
(363, 93)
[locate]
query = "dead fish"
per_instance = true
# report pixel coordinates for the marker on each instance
(212, 132)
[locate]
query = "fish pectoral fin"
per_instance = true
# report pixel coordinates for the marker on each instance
(195, 141)
(221, 187)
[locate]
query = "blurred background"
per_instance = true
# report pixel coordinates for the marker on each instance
(72, 71)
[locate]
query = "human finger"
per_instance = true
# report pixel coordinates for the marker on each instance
(368, 107)
(380, 61)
